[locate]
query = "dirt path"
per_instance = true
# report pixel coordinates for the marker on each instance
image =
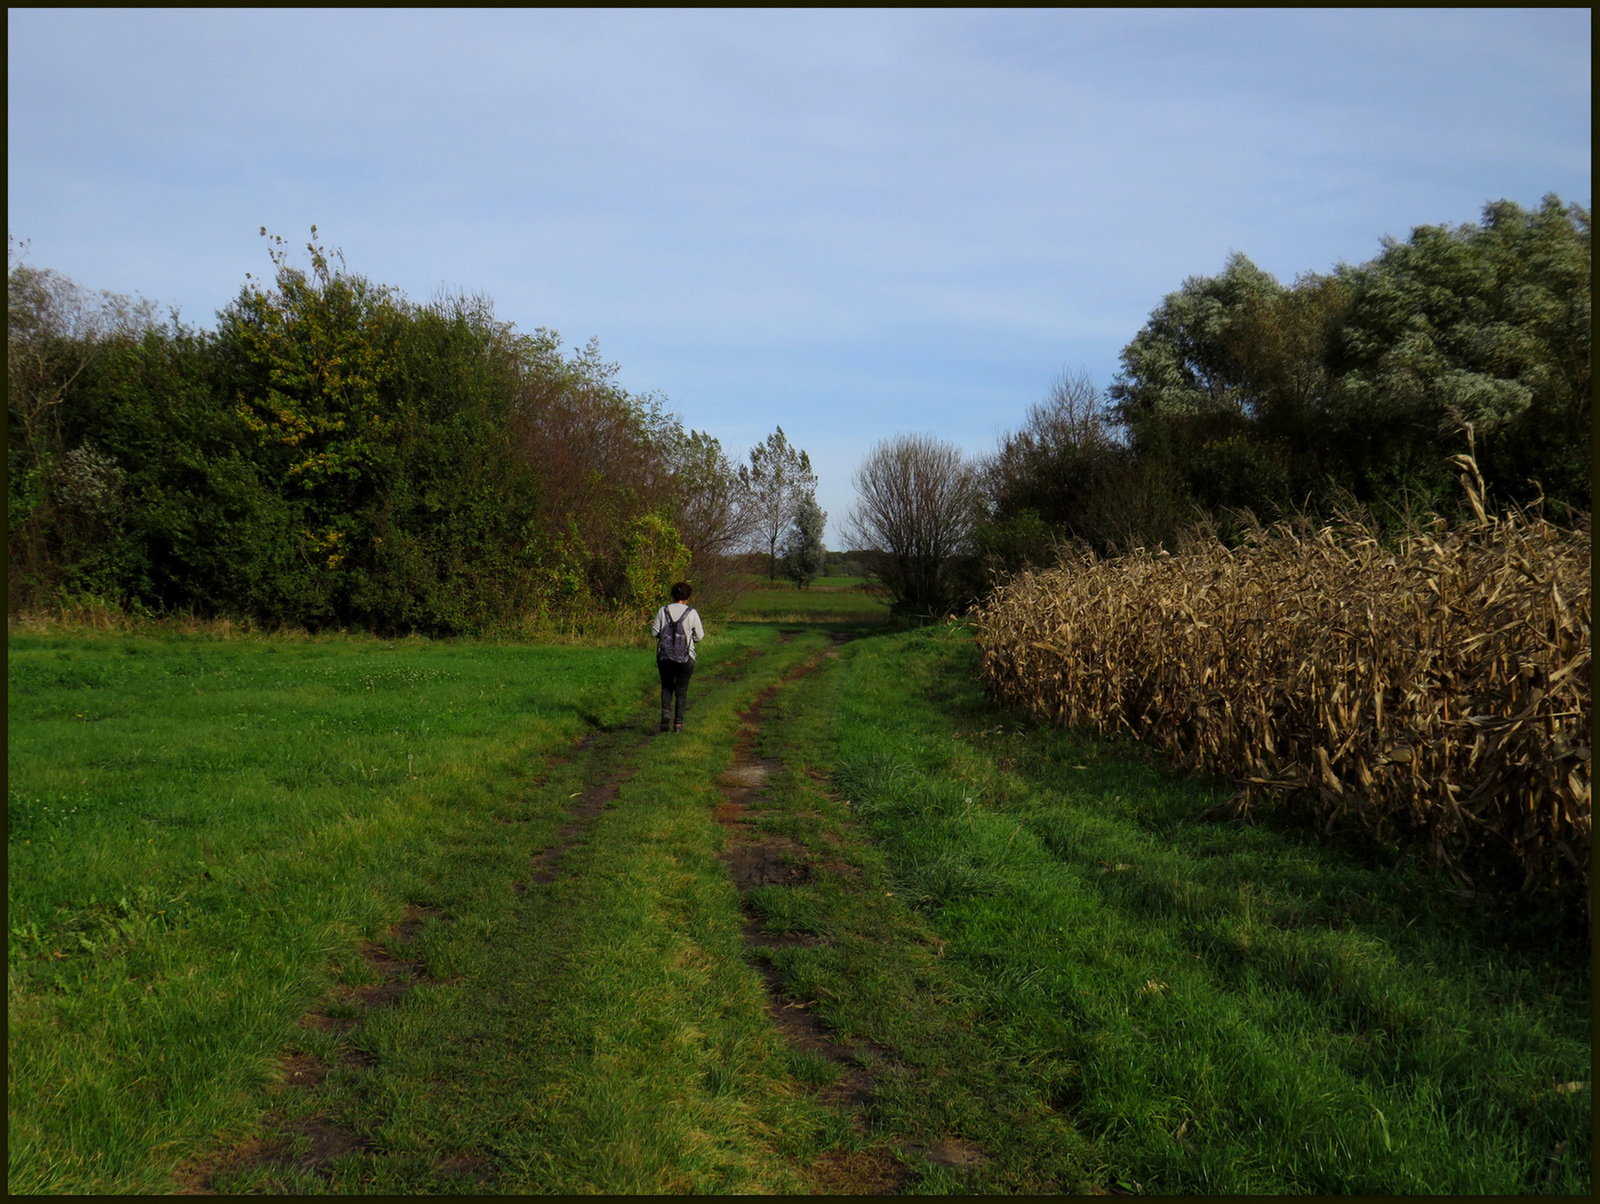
(758, 858)
(291, 1144)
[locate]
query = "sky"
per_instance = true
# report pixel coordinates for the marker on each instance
(851, 224)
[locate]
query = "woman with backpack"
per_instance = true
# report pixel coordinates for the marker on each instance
(677, 628)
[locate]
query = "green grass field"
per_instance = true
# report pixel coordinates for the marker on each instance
(833, 600)
(1058, 976)
(1219, 1009)
(198, 834)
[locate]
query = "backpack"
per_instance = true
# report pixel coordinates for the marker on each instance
(673, 644)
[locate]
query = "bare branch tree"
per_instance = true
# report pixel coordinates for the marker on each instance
(917, 503)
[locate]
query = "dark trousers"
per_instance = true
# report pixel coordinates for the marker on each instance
(675, 688)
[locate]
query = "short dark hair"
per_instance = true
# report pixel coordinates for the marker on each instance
(681, 591)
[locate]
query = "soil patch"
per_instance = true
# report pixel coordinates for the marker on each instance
(302, 1070)
(546, 866)
(867, 1173)
(949, 1151)
(770, 861)
(396, 976)
(325, 1142)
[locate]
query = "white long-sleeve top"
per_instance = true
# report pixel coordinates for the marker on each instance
(671, 613)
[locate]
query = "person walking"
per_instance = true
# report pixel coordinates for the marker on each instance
(677, 629)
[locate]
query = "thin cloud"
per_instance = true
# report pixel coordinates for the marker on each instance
(843, 221)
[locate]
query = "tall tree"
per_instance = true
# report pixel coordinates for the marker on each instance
(706, 495)
(778, 476)
(709, 511)
(1489, 323)
(1184, 397)
(1356, 384)
(64, 493)
(804, 552)
(1052, 480)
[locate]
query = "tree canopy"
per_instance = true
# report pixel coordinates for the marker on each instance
(804, 552)
(1346, 389)
(332, 453)
(777, 479)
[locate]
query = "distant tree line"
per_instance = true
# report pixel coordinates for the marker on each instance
(334, 454)
(1243, 398)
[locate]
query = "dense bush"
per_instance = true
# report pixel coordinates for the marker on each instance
(334, 454)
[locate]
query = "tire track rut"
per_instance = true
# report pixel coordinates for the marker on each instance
(757, 858)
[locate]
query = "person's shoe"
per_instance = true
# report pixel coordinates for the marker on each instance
(666, 725)
(678, 728)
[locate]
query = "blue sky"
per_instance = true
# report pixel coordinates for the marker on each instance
(852, 224)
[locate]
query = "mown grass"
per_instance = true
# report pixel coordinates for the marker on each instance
(200, 832)
(1217, 1009)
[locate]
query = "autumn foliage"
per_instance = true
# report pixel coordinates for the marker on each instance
(334, 454)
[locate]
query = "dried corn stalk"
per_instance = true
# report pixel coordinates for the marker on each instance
(1435, 692)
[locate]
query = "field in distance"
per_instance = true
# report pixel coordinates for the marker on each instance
(825, 600)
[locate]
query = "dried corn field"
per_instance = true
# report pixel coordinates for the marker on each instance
(1433, 693)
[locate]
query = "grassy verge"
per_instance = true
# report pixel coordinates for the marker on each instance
(1214, 1008)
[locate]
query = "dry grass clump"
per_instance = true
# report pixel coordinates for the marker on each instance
(94, 616)
(1436, 692)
